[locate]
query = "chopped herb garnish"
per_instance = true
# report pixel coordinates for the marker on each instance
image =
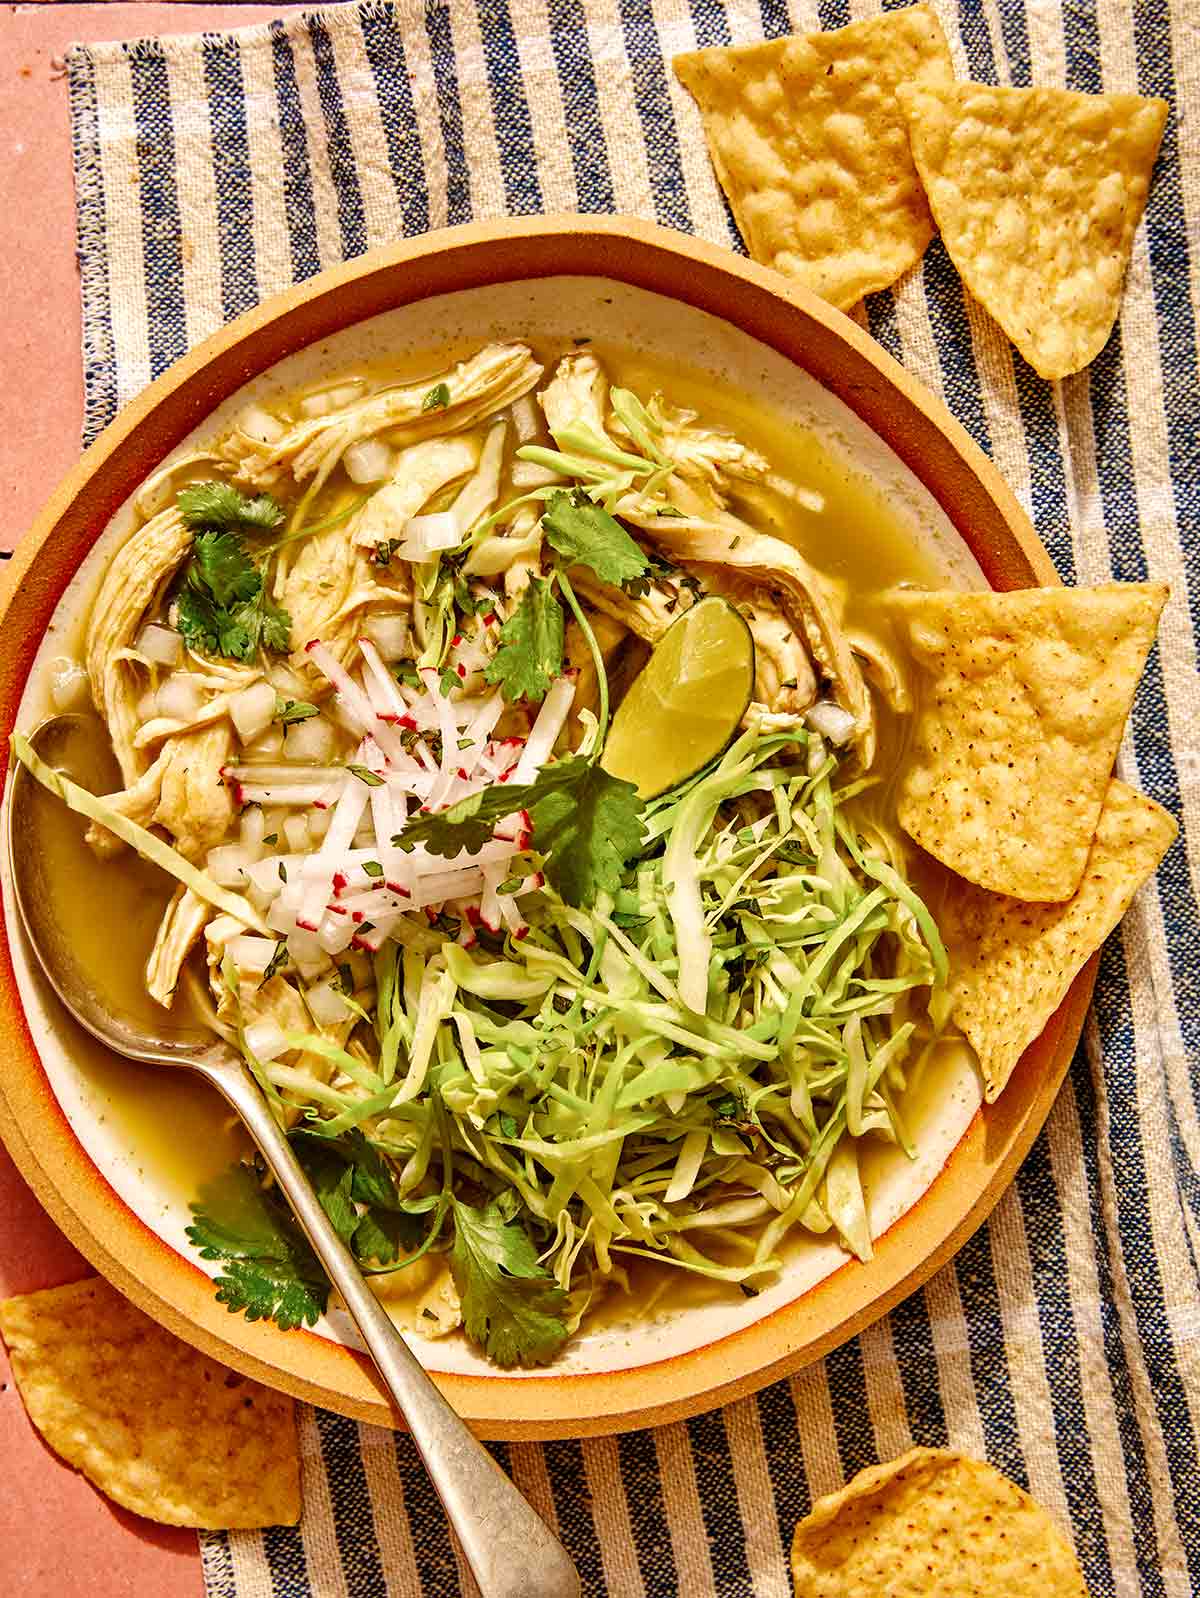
(372, 868)
(437, 399)
(278, 960)
(289, 711)
(371, 778)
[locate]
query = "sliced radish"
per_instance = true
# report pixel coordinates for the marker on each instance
(543, 735)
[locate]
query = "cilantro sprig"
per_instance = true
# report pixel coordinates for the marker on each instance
(530, 654)
(269, 1270)
(512, 1306)
(531, 641)
(586, 825)
(222, 604)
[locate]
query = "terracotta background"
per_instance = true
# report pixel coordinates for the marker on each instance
(57, 1535)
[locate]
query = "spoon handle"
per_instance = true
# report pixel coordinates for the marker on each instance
(509, 1548)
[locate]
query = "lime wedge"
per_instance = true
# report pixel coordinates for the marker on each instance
(685, 704)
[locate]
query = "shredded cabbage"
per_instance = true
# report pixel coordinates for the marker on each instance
(685, 1072)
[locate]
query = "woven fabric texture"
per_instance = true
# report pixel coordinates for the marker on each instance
(1063, 1344)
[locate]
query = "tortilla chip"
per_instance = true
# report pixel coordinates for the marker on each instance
(937, 1523)
(812, 151)
(1023, 697)
(1013, 962)
(1037, 193)
(157, 1426)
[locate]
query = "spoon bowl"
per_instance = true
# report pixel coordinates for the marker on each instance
(511, 1551)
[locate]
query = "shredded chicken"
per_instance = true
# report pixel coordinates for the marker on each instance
(419, 473)
(576, 394)
(310, 449)
(194, 805)
(183, 921)
(784, 680)
(883, 672)
(133, 585)
(705, 455)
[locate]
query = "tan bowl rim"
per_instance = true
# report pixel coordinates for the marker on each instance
(846, 360)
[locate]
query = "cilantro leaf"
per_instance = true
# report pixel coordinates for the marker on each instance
(346, 1171)
(221, 566)
(270, 1270)
(531, 645)
(512, 1307)
(279, 959)
(216, 504)
(586, 824)
(365, 774)
(584, 534)
(290, 711)
(437, 399)
(381, 1236)
(222, 606)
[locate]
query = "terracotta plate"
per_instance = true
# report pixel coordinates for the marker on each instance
(715, 314)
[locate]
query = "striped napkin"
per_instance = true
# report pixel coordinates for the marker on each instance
(1062, 1344)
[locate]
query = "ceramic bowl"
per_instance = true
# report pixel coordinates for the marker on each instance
(713, 313)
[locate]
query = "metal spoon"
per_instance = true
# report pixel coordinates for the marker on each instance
(510, 1550)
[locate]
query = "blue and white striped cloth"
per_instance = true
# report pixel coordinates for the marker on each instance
(1064, 1342)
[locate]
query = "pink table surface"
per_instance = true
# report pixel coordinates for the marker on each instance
(57, 1534)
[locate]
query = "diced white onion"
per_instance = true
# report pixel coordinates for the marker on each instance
(251, 954)
(295, 830)
(265, 1040)
(178, 697)
(311, 960)
(252, 709)
(529, 474)
(228, 864)
(162, 645)
(330, 398)
(310, 740)
(288, 683)
(389, 633)
(368, 461)
(260, 425)
(425, 535)
(830, 720)
(326, 1004)
(526, 420)
(69, 684)
(253, 828)
(267, 744)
